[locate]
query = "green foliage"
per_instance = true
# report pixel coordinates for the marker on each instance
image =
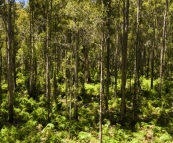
(39, 114)
(32, 31)
(155, 120)
(92, 89)
(4, 86)
(61, 122)
(21, 80)
(84, 137)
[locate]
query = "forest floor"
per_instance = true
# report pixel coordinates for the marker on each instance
(154, 123)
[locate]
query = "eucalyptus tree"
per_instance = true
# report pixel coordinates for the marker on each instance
(6, 14)
(153, 47)
(117, 45)
(102, 77)
(10, 62)
(48, 39)
(31, 82)
(124, 58)
(107, 4)
(15, 42)
(136, 65)
(3, 41)
(101, 90)
(162, 53)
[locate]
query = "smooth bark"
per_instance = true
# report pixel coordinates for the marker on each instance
(162, 53)
(108, 42)
(136, 68)
(48, 37)
(76, 47)
(152, 53)
(101, 91)
(31, 53)
(124, 58)
(10, 62)
(116, 52)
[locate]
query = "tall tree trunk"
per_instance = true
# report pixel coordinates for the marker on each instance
(55, 73)
(152, 53)
(87, 71)
(70, 82)
(124, 57)
(116, 63)
(14, 46)
(117, 50)
(136, 69)
(108, 38)
(101, 90)
(148, 63)
(31, 52)
(48, 89)
(10, 62)
(162, 53)
(76, 76)
(142, 59)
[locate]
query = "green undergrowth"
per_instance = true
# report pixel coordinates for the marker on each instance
(155, 118)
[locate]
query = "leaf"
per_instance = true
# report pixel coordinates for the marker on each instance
(150, 30)
(84, 136)
(50, 125)
(4, 132)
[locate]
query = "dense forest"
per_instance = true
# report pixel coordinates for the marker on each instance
(86, 71)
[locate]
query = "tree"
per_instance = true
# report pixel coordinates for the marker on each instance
(152, 53)
(76, 48)
(101, 89)
(124, 57)
(107, 4)
(162, 53)
(116, 52)
(14, 43)
(136, 67)
(31, 51)
(48, 87)
(10, 61)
